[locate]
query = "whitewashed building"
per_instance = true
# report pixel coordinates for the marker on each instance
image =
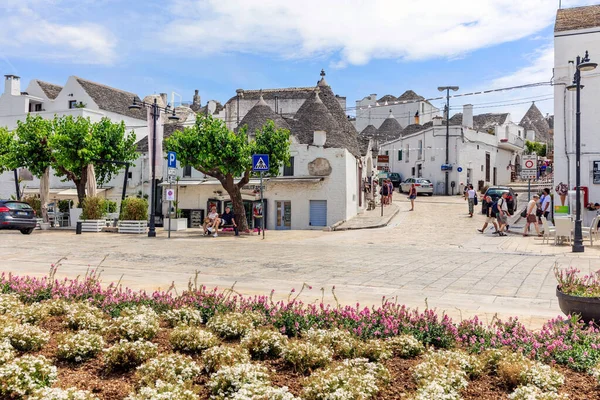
(577, 31)
(484, 150)
(408, 108)
(322, 186)
(78, 97)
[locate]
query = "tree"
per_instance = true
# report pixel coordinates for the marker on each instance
(535, 147)
(31, 150)
(78, 143)
(6, 150)
(214, 150)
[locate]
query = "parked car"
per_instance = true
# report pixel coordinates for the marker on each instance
(17, 215)
(495, 192)
(392, 176)
(424, 186)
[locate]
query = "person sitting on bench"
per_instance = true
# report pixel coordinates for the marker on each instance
(211, 222)
(228, 219)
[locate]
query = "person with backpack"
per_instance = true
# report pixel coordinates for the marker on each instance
(501, 209)
(491, 216)
(530, 214)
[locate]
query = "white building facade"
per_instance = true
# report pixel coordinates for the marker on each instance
(577, 30)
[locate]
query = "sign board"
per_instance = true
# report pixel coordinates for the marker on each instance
(171, 178)
(172, 159)
(172, 172)
(260, 162)
(459, 169)
(529, 167)
(383, 162)
(446, 167)
(596, 172)
(170, 194)
(528, 174)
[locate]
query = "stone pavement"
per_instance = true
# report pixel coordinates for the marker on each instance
(371, 219)
(433, 255)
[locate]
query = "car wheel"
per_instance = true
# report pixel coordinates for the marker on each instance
(26, 231)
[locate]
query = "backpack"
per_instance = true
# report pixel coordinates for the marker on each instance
(495, 209)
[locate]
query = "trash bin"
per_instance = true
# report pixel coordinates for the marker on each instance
(78, 228)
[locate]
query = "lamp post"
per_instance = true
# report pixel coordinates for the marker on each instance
(240, 93)
(156, 110)
(581, 65)
(447, 89)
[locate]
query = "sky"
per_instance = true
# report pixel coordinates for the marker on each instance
(217, 46)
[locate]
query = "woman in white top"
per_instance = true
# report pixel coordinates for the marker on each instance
(470, 196)
(531, 215)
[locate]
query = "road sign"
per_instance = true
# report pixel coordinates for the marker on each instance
(172, 159)
(459, 169)
(529, 167)
(260, 162)
(170, 194)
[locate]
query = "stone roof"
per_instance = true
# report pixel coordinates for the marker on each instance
(388, 98)
(550, 120)
(369, 131)
(569, 19)
(50, 89)
(535, 121)
(389, 130)
(270, 94)
(258, 115)
(202, 110)
(170, 126)
(412, 128)
(363, 144)
(410, 95)
(314, 116)
(481, 122)
(111, 99)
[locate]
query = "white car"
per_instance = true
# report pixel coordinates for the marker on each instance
(424, 186)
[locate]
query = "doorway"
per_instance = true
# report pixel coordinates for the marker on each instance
(318, 213)
(487, 166)
(283, 218)
(495, 176)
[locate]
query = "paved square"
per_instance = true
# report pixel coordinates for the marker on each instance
(432, 255)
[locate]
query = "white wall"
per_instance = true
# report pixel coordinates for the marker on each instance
(567, 46)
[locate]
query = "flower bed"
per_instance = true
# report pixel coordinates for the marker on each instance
(77, 338)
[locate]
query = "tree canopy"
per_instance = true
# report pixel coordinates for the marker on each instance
(535, 147)
(31, 147)
(6, 150)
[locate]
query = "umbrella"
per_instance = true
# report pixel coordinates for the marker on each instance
(90, 186)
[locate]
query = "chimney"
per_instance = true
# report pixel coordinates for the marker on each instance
(467, 119)
(530, 135)
(437, 121)
(163, 96)
(196, 101)
(12, 85)
(319, 138)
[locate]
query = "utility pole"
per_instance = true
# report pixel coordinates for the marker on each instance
(447, 90)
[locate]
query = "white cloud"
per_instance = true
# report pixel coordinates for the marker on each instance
(356, 31)
(26, 33)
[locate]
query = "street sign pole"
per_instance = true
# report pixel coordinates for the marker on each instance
(529, 190)
(262, 206)
(170, 206)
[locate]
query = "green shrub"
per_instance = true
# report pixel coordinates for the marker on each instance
(93, 208)
(126, 355)
(35, 203)
(79, 346)
(110, 206)
(134, 209)
(65, 205)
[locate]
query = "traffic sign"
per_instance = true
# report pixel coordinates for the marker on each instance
(260, 162)
(172, 159)
(459, 169)
(529, 167)
(170, 194)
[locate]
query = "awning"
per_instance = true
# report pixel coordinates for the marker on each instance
(73, 192)
(64, 192)
(182, 183)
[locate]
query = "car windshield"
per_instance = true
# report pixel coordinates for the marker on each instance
(496, 192)
(13, 205)
(395, 176)
(424, 181)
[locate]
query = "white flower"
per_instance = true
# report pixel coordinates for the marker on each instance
(191, 339)
(170, 368)
(7, 352)
(229, 380)
(135, 323)
(24, 337)
(62, 394)
(220, 356)
(231, 325)
(305, 356)
(531, 392)
(84, 316)
(183, 316)
(126, 355)
(163, 391)
(26, 374)
(264, 343)
(79, 346)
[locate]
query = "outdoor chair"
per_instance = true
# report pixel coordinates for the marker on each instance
(549, 231)
(563, 229)
(591, 232)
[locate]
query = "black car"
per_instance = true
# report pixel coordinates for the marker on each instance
(17, 215)
(495, 192)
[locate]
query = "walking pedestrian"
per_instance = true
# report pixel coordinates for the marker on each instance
(546, 205)
(412, 195)
(490, 217)
(390, 190)
(502, 213)
(384, 192)
(532, 216)
(470, 195)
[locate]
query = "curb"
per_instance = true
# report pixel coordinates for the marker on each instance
(384, 224)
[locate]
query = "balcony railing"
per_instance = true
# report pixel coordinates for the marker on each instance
(511, 141)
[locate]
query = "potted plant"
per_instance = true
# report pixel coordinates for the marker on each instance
(578, 294)
(92, 215)
(134, 215)
(178, 223)
(35, 203)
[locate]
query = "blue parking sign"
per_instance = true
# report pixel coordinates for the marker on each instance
(172, 159)
(260, 162)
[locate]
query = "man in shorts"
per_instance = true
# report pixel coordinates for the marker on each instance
(502, 215)
(227, 218)
(490, 218)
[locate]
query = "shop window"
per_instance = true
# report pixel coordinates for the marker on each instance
(399, 155)
(72, 104)
(187, 171)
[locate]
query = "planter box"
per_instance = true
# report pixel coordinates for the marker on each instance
(177, 224)
(587, 307)
(133, 227)
(92, 225)
(74, 215)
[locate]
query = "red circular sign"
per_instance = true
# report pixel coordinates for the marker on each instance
(529, 164)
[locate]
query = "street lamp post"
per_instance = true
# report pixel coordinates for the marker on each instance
(155, 113)
(240, 93)
(447, 89)
(581, 65)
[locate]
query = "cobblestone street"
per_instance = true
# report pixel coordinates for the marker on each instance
(432, 255)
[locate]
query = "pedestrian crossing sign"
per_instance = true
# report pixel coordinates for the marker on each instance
(260, 162)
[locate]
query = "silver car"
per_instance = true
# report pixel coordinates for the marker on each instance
(424, 186)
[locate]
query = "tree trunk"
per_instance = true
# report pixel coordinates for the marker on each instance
(45, 193)
(81, 184)
(238, 205)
